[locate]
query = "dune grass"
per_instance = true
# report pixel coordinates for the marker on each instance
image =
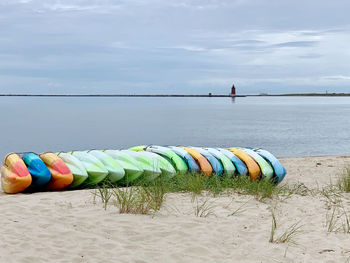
(338, 220)
(197, 183)
(143, 197)
(344, 181)
(203, 208)
(287, 236)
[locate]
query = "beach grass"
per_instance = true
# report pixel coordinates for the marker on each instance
(203, 208)
(338, 220)
(143, 197)
(197, 183)
(287, 236)
(344, 181)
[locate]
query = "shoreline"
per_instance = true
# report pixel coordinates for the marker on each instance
(45, 226)
(209, 95)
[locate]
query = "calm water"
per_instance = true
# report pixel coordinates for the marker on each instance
(287, 126)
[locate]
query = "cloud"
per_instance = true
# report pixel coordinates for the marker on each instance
(339, 77)
(173, 46)
(297, 44)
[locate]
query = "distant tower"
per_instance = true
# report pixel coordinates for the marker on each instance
(233, 90)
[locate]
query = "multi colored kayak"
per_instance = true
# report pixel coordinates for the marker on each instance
(278, 168)
(40, 173)
(215, 163)
(15, 176)
(76, 167)
(115, 170)
(178, 163)
(253, 167)
(241, 168)
(61, 176)
(265, 167)
(150, 169)
(133, 169)
(229, 168)
(201, 160)
(158, 161)
(190, 162)
(96, 170)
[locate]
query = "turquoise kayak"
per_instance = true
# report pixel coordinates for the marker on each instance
(177, 162)
(191, 163)
(40, 173)
(115, 170)
(150, 170)
(133, 169)
(229, 168)
(96, 170)
(278, 168)
(215, 163)
(76, 167)
(241, 168)
(265, 167)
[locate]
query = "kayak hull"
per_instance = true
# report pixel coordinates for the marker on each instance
(131, 167)
(40, 173)
(15, 177)
(76, 167)
(61, 176)
(253, 168)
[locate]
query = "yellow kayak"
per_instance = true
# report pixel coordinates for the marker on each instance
(15, 176)
(253, 167)
(200, 159)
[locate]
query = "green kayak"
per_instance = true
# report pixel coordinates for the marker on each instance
(229, 168)
(132, 168)
(266, 169)
(177, 162)
(115, 170)
(96, 170)
(151, 171)
(76, 167)
(164, 165)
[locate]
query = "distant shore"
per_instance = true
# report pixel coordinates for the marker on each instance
(210, 95)
(123, 95)
(312, 94)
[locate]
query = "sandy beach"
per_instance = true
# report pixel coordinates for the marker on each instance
(68, 227)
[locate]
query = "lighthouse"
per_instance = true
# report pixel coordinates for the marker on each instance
(233, 90)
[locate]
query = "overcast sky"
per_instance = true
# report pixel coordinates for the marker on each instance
(174, 46)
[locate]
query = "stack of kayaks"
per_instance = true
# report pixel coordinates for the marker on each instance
(79, 169)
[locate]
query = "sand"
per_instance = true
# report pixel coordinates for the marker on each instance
(69, 227)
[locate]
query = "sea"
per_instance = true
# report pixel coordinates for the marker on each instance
(285, 126)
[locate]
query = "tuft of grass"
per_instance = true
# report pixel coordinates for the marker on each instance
(287, 236)
(239, 209)
(104, 193)
(197, 183)
(344, 181)
(142, 199)
(338, 221)
(273, 227)
(203, 209)
(331, 221)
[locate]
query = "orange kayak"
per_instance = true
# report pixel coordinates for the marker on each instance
(253, 167)
(200, 159)
(61, 176)
(15, 176)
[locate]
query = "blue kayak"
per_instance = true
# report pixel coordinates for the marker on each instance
(40, 173)
(215, 163)
(278, 168)
(191, 163)
(241, 168)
